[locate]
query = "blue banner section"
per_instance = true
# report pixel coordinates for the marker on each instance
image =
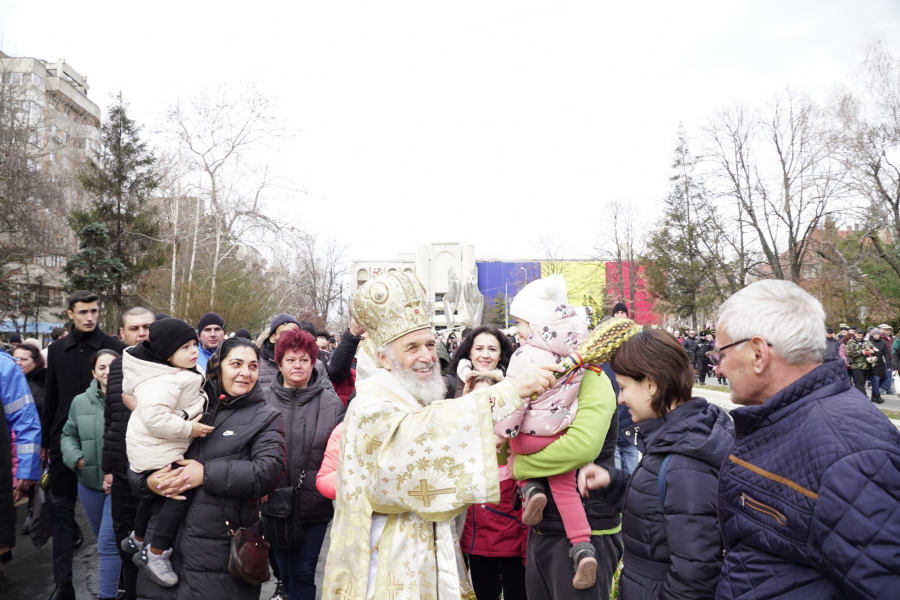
(506, 278)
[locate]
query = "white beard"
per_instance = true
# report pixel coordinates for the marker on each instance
(425, 392)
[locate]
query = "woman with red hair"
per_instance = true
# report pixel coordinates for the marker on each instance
(311, 409)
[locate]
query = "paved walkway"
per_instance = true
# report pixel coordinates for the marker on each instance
(29, 575)
(723, 399)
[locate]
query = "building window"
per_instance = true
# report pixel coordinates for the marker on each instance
(438, 298)
(68, 112)
(54, 101)
(37, 81)
(12, 78)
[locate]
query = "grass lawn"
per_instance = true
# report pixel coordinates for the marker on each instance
(715, 388)
(891, 414)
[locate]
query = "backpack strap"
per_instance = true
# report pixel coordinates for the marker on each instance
(661, 482)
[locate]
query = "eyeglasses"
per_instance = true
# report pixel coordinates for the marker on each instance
(716, 357)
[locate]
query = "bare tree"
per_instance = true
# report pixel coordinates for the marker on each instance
(218, 135)
(774, 173)
(622, 243)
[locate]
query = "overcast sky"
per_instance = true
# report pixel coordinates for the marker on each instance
(487, 123)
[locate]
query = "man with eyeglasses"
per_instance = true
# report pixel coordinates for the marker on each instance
(809, 493)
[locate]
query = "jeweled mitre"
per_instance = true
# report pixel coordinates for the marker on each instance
(389, 306)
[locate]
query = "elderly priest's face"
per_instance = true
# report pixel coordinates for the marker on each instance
(413, 361)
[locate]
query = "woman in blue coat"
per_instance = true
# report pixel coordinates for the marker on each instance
(673, 546)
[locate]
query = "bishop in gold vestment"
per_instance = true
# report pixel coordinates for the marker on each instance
(411, 461)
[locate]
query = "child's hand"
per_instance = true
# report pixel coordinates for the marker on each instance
(198, 429)
(499, 441)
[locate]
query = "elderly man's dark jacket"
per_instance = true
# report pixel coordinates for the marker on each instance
(809, 497)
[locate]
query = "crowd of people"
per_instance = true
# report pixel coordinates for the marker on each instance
(465, 467)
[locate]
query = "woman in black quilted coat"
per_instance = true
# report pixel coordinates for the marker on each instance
(241, 461)
(673, 546)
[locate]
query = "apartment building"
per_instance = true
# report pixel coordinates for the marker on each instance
(49, 101)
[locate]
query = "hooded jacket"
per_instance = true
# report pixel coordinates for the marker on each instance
(167, 398)
(496, 529)
(82, 436)
(307, 435)
(673, 550)
(809, 495)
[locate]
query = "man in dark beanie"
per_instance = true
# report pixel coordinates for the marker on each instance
(243, 333)
(620, 310)
(16, 340)
(160, 316)
(212, 333)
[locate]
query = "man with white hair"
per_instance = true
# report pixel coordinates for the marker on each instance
(411, 461)
(809, 498)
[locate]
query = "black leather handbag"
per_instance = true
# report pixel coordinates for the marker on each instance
(279, 518)
(248, 560)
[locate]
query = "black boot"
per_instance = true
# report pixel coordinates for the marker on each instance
(63, 591)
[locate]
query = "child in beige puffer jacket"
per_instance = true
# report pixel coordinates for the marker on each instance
(161, 374)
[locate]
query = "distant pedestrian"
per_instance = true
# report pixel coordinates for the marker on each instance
(211, 329)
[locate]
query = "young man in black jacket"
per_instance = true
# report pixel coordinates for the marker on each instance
(68, 374)
(134, 328)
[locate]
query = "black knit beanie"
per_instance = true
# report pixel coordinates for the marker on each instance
(168, 335)
(210, 319)
(161, 316)
(281, 320)
(243, 333)
(620, 307)
(308, 328)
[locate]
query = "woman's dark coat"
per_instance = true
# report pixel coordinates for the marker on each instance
(243, 460)
(674, 551)
(298, 408)
(36, 380)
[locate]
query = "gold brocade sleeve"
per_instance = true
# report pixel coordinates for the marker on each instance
(436, 460)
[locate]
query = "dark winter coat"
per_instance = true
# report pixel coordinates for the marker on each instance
(673, 550)
(884, 355)
(690, 344)
(306, 434)
(239, 468)
(496, 530)
(116, 415)
(809, 495)
(68, 374)
(36, 379)
(832, 350)
(700, 358)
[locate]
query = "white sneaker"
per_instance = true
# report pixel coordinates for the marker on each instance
(130, 545)
(158, 568)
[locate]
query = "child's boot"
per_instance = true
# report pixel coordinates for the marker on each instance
(157, 566)
(130, 545)
(584, 561)
(534, 499)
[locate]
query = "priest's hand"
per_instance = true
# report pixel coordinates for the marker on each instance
(592, 477)
(536, 380)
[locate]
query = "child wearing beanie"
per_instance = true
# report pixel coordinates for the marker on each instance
(161, 374)
(549, 330)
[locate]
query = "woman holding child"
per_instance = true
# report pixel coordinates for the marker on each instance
(238, 462)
